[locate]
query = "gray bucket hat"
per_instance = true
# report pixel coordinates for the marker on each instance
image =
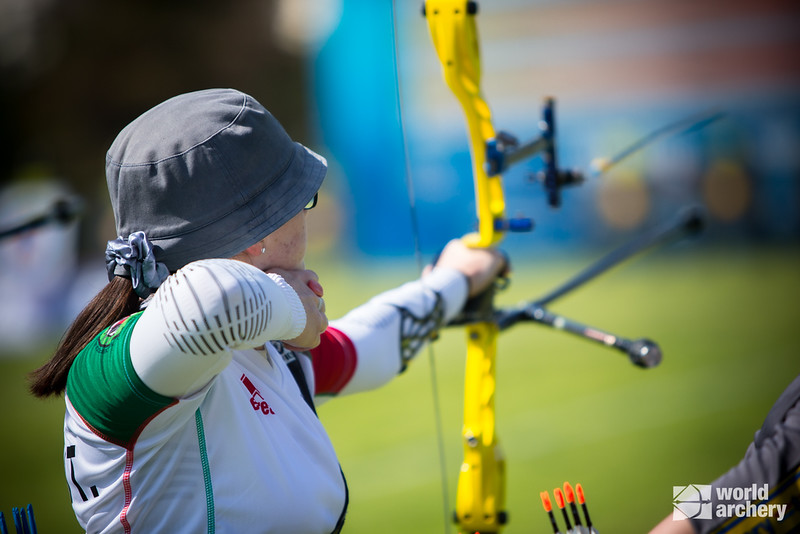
(206, 175)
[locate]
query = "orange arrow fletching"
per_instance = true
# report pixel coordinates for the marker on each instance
(579, 489)
(559, 497)
(548, 506)
(569, 493)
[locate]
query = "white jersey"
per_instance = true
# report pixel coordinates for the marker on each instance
(210, 462)
(239, 450)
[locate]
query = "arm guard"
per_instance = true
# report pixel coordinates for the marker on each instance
(375, 341)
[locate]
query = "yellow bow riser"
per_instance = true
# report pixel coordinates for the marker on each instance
(480, 499)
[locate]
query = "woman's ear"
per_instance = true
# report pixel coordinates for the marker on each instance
(255, 250)
(249, 253)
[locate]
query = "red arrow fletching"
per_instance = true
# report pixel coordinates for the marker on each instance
(569, 493)
(559, 497)
(548, 506)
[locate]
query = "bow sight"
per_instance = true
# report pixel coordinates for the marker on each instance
(503, 150)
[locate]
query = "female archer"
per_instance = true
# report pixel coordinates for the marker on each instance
(190, 379)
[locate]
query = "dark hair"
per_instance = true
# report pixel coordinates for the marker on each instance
(114, 302)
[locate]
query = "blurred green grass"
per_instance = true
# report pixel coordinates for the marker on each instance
(567, 409)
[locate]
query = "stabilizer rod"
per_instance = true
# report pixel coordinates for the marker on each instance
(641, 352)
(61, 212)
(687, 222)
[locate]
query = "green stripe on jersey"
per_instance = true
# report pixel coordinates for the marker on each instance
(201, 440)
(105, 390)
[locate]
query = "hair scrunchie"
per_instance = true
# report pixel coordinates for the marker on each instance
(137, 260)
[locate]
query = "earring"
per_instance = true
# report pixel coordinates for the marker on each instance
(263, 249)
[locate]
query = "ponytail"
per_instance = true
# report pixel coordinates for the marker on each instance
(114, 302)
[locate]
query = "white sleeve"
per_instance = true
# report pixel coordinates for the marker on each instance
(390, 329)
(182, 339)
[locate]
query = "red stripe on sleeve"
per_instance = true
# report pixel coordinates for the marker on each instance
(334, 362)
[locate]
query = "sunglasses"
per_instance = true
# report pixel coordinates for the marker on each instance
(312, 202)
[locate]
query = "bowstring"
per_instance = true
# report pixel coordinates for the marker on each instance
(415, 228)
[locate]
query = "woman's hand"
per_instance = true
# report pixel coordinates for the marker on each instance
(481, 266)
(306, 285)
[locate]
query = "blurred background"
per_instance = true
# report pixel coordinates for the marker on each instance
(359, 82)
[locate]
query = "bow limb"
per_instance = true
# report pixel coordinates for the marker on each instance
(480, 496)
(455, 37)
